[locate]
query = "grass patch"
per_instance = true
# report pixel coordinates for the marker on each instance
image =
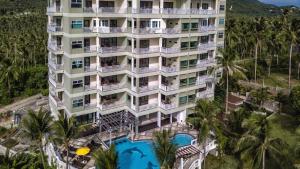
(278, 80)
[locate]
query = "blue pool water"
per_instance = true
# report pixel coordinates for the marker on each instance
(140, 154)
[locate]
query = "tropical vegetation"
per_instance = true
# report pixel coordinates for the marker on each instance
(106, 159)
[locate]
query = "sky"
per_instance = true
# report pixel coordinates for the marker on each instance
(282, 2)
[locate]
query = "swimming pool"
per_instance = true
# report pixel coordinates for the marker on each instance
(140, 154)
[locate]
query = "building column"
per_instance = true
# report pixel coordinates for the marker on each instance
(171, 118)
(158, 119)
(136, 125)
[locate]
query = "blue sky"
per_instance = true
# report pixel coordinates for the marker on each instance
(282, 2)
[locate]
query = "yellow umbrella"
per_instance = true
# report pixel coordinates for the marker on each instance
(83, 151)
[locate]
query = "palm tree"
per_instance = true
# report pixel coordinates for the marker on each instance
(257, 146)
(35, 126)
(65, 130)
(261, 95)
(227, 62)
(106, 159)
(205, 120)
(289, 34)
(165, 150)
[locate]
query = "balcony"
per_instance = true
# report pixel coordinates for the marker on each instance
(53, 80)
(54, 46)
(206, 62)
(203, 79)
(175, 30)
(169, 69)
(110, 104)
(207, 28)
(170, 50)
(112, 10)
(145, 11)
(112, 30)
(90, 49)
(148, 30)
(113, 49)
(88, 106)
(112, 68)
(148, 50)
(145, 69)
(57, 102)
(54, 9)
(54, 28)
(54, 65)
(91, 68)
(167, 106)
(179, 11)
(147, 107)
(90, 87)
(111, 86)
(205, 46)
(168, 87)
(146, 88)
(205, 94)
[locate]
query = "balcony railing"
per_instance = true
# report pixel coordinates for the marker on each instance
(91, 68)
(168, 106)
(169, 69)
(113, 49)
(112, 10)
(206, 62)
(54, 28)
(168, 87)
(54, 46)
(170, 50)
(109, 87)
(112, 68)
(206, 93)
(147, 107)
(147, 30)
(90, 87)
(147, 50)
(89, 10)
(145, 69)
(204, 46)
(57, 102)
(146, 11)
(172, 30)
(52, 9)
(115, 104)
(207, 28)
(112, 30)
(54, 65)
(147, 88)
(178, 11)
(90, 106)
(90, 49)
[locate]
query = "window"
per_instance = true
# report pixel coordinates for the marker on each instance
(222, 7)
(193, 45)
(204, 5)
(203, 56)
(76, 64)
(85, 119)
(194, 26)
(184, 45)
(192, 81)
(183, 64)
(104, 23)
(192, 63)
(183, 100)
(221, 35)
(77, 103)
(76, 44)
(155, 24)
(191, 98)
(77, 24)
(77, 83)
(143, 100)
(221, 21)
(76, 3)
(129, 24)
(185, 26)
(183, 82)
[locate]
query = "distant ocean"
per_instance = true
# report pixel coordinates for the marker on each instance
(282, 2)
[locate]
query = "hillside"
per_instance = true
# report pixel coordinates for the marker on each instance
(252, 8)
